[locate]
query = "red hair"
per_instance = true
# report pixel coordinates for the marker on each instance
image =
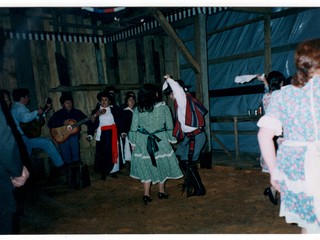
(307, 60)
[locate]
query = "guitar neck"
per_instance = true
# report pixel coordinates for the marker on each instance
(80, 122)
(86, 119)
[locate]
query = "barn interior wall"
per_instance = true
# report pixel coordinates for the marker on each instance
(32, 63)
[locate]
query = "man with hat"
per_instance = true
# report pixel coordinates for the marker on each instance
(189, 130)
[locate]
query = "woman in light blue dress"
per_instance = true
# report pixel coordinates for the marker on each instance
(295, 170)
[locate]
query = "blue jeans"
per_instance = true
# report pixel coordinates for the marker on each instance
(69, 149)
(183, 148)
(45, 144)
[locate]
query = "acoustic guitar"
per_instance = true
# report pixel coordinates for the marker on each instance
(33, 128)
(61, 134)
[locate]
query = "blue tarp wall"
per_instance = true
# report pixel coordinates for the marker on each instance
(246, 39)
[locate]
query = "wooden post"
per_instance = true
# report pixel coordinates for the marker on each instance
(202, 90)
(170, 31)
(148, 55)
(236, 137)
(267, 44)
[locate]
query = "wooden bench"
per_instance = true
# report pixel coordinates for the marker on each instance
(37, 155)
(86, 153)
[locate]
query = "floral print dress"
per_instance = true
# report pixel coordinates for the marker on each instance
(296, 111)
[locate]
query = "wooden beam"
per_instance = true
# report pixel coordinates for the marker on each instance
(237, 25)
(267, 43)
(215, 138)
(260, 53)
(200, 37)
(170, 31)
(94, 87)
(262, 10)
(254, 89)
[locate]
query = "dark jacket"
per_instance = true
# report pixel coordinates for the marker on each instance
(10, 166)
(117, 115)
(58, 118)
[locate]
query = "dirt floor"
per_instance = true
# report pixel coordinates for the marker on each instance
(234, 204)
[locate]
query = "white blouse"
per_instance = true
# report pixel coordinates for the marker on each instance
(105, 120)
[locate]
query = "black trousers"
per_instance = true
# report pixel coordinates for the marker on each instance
(6, 223)
(103, 159)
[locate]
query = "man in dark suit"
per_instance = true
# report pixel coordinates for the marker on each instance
(12, 174)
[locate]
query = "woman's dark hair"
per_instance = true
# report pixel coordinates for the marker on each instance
(287, 81)
(129, 94)
(275, 80)
(147, 97)
(102, 94)
(307, 59)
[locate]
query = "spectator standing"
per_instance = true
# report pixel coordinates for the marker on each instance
(12, 174)
(129, 104)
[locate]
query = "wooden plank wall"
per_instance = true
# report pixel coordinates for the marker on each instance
(129, 62)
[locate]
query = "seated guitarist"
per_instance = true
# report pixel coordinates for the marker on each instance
(21, 114)
(68, 114)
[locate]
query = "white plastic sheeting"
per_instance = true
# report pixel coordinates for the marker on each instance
(246, 39)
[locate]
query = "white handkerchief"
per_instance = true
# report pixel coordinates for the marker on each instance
(244, 78)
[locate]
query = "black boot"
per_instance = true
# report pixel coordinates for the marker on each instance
(199, 189)
(192, 182)
(186, 185)
(183, 166)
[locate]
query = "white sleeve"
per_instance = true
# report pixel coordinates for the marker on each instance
(271, 123)
(178, 92)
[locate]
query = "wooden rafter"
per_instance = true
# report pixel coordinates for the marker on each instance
(262, 10)
(170, 31)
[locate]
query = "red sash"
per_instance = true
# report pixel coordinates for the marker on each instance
(114, 141)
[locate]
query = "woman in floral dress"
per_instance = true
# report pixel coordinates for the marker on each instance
(295, 170)
(153, 159)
